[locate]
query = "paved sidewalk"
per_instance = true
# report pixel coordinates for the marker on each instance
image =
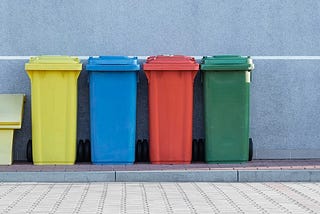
(160, 197)
(254, 171)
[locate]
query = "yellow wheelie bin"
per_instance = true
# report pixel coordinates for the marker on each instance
(54, 108)
(11, 112)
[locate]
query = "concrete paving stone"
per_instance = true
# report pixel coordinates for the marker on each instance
(165, 176)
(105, 176)
(279, 175)
(56, 176)
(34, 176)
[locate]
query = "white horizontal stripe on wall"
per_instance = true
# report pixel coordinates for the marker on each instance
(196, 57)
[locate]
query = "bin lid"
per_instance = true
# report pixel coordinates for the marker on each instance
(11, 110)
(113, 63)
(53, 63)
(171, 62)
(227, 63)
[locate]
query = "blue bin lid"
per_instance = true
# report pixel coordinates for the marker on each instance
(113, 63)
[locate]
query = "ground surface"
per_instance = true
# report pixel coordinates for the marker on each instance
(160, 197)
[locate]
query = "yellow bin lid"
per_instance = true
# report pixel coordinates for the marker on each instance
(53, 63)
(11, 110)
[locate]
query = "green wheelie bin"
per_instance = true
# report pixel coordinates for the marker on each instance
(226, 108)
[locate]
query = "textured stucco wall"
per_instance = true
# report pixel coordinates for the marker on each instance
(146, 27)
(285, 93)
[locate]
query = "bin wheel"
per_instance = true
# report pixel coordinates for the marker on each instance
(80, 151)
(201, 150)
(145, 151)
(195, 150)
(250, 149)
(29, 151)
(87, 151)
(138, 150)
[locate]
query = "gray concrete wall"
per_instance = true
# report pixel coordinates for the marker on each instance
(285, 113)
(285, 93)
(146, 27)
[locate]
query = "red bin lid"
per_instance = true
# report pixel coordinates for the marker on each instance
(171, 62)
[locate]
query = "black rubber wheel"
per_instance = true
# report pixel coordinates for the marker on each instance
(80, 151)
(250, 149)
(87, 151)
(138, 151)
(201, 150)
(145, 151)
(29, 151)
(195, 150)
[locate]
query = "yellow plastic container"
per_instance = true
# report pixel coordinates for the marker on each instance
(11, 111)
(54, 108)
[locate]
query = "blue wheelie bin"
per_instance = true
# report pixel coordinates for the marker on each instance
(113, 94)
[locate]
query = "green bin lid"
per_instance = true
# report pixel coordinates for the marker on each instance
(53, 63)
(227, 63)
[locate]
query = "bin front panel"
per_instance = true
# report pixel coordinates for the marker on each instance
(54, 116)
(113, 116)
(6, 143)
(170, 115)
(226, 98)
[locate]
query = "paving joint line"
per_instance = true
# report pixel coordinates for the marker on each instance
(228, 199)
(185, 198)
(102, 199)
(60, 199)
(268, 198)
(123, 203)
(144, 196)
(293, 200)
(206, 198)
(297, 192)
(165, 199)
(39, 199)
(311, 189)
(20, 198)
(248, 198)
(11, 189)
(82, 198)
